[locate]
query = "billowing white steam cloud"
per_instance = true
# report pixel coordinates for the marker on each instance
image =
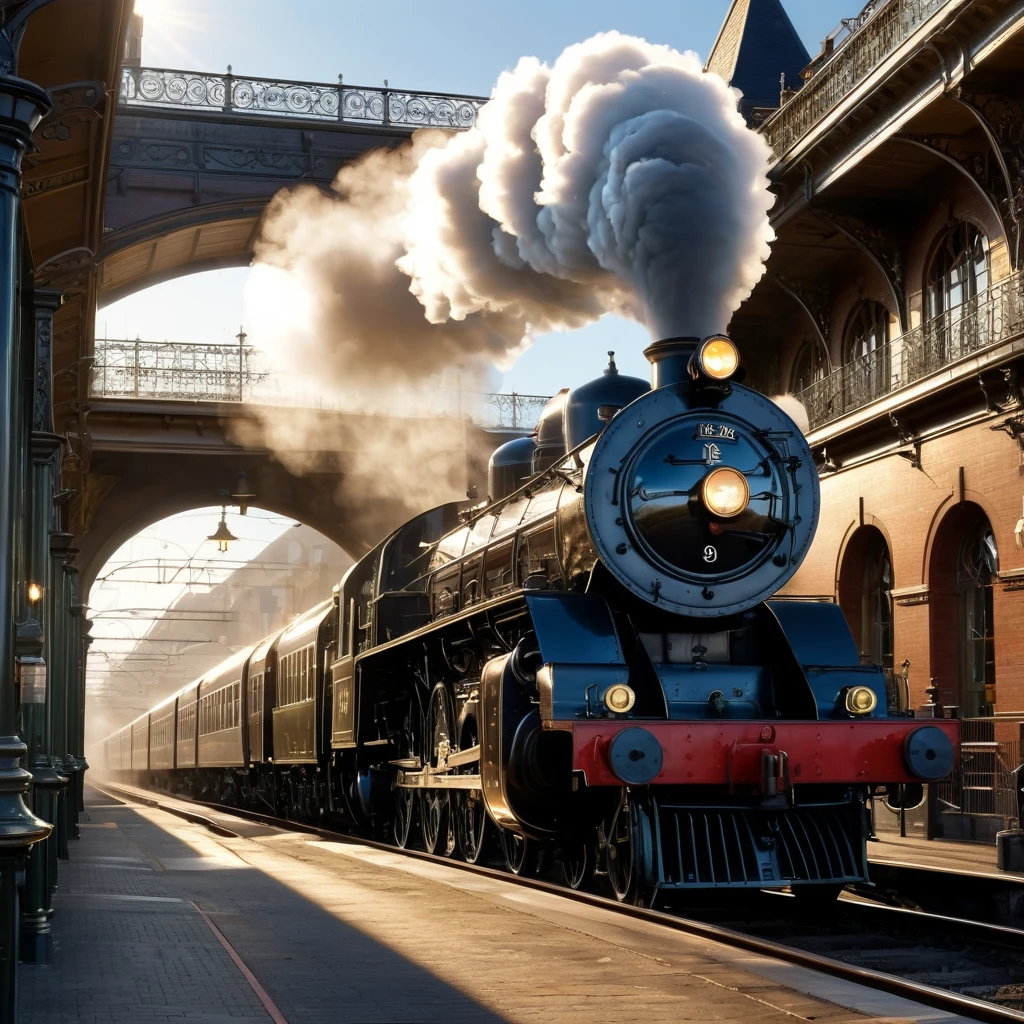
(621, 179)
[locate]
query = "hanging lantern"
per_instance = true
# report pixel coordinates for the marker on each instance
(242, 495)
(223, 536)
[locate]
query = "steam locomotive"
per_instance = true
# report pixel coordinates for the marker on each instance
(590, 665)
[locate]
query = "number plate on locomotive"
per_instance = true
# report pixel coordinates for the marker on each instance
(719, 431)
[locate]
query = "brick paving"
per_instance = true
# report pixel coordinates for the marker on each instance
(340, 934)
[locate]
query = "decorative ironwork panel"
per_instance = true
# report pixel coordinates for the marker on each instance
(995, 315)
(513, 411)
(237, 373)
(310, 101)
(868, 44)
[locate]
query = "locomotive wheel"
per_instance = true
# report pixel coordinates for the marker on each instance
(405, 804)
(472, 824)
(577, 862)
(628, 851)
(524, 857)
(436, 804)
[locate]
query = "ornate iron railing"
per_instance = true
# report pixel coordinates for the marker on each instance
(869, 41)
(991, 317)
(169, 371)
(235, 94)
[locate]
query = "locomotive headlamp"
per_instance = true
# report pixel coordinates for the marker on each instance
(717, 358)
(724, 492)
(619, 698)
(861, 700)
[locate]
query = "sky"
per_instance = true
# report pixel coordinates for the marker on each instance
(447, 45)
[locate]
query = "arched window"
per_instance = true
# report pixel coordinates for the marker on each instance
(865, 595)
(867, 330)
(959, 270)
(865, 354)
(977, 566)
(809, 367)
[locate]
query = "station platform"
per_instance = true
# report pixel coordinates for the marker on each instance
(160, 919)
(945, 855)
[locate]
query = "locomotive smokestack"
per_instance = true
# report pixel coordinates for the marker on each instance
(669, 359)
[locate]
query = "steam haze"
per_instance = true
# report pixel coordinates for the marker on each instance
(621, 179)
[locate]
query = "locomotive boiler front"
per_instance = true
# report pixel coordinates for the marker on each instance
(701, 497)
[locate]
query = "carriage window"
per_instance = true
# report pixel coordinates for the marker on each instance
(444, 593)
(498, 576)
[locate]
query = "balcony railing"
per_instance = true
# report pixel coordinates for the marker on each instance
(870, 40)
(167, 371)
(995, 315)
(307, 101)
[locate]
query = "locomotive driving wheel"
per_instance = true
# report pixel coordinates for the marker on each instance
(628, 850)
(409, 748)
(472, 824)
(524, 857)
(577, 860)
(436, 804)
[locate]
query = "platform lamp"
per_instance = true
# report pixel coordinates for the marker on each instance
(242, 495)
(223, 536)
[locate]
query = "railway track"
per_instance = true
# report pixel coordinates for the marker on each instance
(969, 968)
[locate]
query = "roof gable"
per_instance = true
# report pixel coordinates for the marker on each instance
(756, 45)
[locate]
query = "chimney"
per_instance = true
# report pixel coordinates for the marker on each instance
(669, 360)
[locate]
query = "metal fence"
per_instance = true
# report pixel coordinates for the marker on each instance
(878, 33)
(980, 797)
(993, 316)
(168, 371)
(309, 101)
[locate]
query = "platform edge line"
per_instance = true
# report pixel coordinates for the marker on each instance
(264, 997)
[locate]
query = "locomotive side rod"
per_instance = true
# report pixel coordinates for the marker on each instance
(440, 777)
(436, 780)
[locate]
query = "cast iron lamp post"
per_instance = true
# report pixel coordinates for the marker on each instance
(22, 106)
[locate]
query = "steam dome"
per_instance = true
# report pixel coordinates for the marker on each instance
(589, 407)
(509, 466)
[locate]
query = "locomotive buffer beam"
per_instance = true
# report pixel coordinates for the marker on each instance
(440, 777)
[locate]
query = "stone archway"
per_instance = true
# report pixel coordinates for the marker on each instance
(962, 569)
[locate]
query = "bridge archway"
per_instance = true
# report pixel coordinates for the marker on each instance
(169, 603)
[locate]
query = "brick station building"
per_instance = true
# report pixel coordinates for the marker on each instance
(893, 307)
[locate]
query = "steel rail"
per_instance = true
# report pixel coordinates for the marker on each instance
(927, 995)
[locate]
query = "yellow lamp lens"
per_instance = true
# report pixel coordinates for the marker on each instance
(34, 592)
(725, 492)
(719, 358)
(861, 700)
(619, 698)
